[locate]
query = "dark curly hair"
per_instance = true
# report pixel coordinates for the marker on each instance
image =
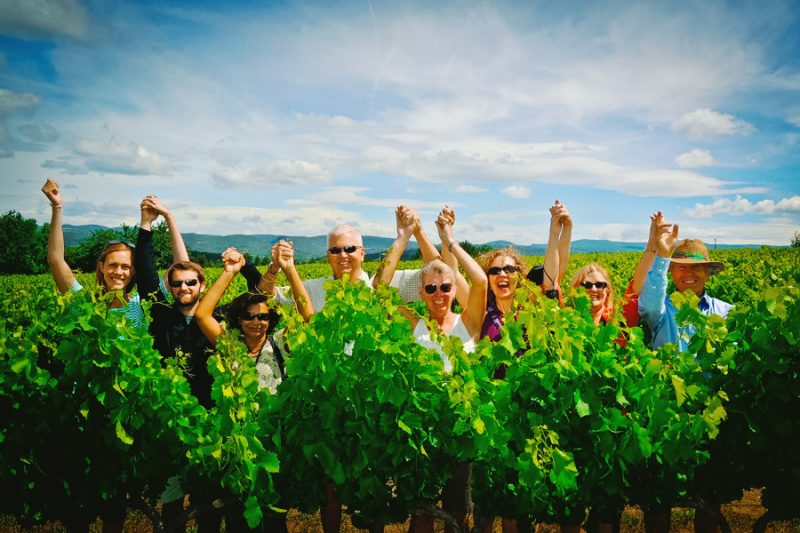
(239, 305)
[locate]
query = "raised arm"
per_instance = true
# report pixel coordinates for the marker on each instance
(144, 262)
(651, 299)
(564, 241)
(204, 314)
(476, 305)
(646, 262)
(404, 219)
(551, 255)
(462, 287)
(62, 274)
(283, 256)
(179, 252)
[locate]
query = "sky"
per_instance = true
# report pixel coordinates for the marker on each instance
(290, 117)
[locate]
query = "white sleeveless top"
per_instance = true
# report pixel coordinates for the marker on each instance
(423, 338)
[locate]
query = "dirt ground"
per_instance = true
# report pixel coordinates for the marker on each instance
(740, 515)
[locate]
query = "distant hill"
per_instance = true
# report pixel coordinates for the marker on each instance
(311, 247)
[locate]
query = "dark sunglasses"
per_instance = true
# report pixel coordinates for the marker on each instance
(126, 243)
(349, 249)
(188, 282)
(508, 269)
(599, 284)
(444, 287)
(264, 317)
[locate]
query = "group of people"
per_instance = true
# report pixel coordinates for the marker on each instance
(486, 295)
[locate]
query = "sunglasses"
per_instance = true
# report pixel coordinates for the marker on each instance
(188, 282)
(264, 317)
(599, 284)
(508, 269)
(349, 249)
(126, 243)
(444, 287)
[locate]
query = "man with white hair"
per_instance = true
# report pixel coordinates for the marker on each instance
(346, 255)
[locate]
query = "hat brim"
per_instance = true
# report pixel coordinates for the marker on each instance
(714, 267)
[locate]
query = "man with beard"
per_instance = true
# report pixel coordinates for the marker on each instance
(173, 326)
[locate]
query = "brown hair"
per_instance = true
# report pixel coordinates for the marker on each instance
(486, 259)
(101, 259)
(187, 265)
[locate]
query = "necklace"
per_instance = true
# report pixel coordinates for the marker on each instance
(257, 350)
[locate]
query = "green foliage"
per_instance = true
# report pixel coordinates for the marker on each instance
(581, 418)
(475, 249)
(23, 247)
(795, 242)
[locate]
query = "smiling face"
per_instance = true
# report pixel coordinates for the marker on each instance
(184, 294)
(689, 277)
(116, 270)
(598, 296)
(343, 262)
(255, 327)
(503, 283)
(439, 302)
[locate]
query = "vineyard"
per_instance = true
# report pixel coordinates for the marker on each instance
(582, 420)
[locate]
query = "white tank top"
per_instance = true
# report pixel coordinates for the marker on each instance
(423, 338)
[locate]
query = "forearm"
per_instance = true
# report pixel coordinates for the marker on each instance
(266, 285)
(654, 291)
(426, 247)
(144, 263)
(62, 274)
(551, 259)
(301, 296)
(179, 252)
(213, 296)
(462, 287)
(251, 275)
(644, 266)
(564, 244)
(390, 261)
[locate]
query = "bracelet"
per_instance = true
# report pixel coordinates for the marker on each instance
(450, 248)
(269, 269)
(55, 206)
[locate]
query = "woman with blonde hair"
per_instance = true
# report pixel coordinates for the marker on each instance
(597, 282)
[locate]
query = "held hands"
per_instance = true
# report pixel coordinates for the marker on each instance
(559, 215)
(149, 214)
(406, 220)
(50, 189)
(232, 260)
(283, 255)
(444, 225)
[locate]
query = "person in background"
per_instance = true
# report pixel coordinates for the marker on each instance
(689, 265)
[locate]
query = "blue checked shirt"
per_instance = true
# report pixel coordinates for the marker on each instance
(656, 309)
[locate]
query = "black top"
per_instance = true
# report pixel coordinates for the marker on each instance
(171, 329)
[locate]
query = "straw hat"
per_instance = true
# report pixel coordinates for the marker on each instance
(693, 252)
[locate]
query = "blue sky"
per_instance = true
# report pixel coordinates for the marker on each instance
(290, 117)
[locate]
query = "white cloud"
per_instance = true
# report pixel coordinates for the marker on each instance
(43, 18)
(273, 175)
(695, 158)
(469, 189)
(39, 132)
(516, 191)
(794, 119)
(704, 123)
(12, 102)
(121, 158)
(742, 206)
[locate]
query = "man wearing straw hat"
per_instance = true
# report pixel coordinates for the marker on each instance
(690, 267)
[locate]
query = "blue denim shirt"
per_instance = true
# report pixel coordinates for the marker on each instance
(657, 310)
